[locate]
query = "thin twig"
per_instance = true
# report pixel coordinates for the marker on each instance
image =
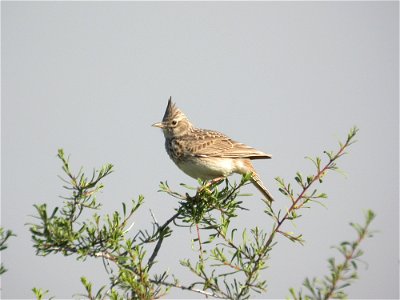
(188, 288)
(348, 258)
(200, 246)
(295, 205)
(161, 239)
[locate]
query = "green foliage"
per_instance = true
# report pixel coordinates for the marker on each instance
(212, 210)
(229, 263)
(341, 274)
(63, 230)
(4, 236)
(40, 294)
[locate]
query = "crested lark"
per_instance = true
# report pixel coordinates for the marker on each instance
(207, 154)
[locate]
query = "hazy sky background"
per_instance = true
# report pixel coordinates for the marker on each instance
(287, 78)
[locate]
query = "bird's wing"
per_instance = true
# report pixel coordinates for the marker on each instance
(208, 143)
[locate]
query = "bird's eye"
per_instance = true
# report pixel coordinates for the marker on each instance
(174, 122)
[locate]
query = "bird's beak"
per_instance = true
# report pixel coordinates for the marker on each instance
(159, 125)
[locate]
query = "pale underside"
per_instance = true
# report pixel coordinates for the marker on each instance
(213, 167)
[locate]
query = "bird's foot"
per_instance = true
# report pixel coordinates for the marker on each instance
(211, 182)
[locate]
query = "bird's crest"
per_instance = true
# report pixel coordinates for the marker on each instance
(172, 112)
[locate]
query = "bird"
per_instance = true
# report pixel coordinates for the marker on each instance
(207, 154)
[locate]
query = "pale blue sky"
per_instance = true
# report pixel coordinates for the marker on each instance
(286, 78)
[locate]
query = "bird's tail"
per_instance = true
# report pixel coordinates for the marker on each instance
(255, 179)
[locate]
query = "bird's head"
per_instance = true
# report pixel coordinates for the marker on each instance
(174, 122)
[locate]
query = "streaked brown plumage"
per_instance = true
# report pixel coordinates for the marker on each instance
(207, 154)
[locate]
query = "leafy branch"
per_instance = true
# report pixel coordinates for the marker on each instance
(229, 263)
(4, 236)
(301, 199)
(63, 230)
(341, 274)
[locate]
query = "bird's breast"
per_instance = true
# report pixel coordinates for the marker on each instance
(174, 149)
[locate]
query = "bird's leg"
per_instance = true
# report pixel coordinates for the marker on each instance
(211, 182)
(216, 180)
